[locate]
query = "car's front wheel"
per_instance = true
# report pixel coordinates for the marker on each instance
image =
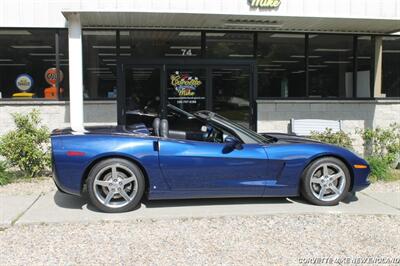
(326, 181)
(115, 185)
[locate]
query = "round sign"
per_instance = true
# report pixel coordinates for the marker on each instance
(24, 82)
(51, 76)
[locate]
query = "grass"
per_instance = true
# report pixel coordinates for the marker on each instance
(393, 175)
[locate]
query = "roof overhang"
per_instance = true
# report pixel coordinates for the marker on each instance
(242, 22)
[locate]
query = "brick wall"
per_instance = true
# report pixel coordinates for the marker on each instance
(275, 115)
(55, 114)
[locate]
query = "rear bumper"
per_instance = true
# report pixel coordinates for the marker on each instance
(59, 185)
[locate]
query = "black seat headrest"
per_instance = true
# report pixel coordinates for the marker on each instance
(156, 126)
(164, 128)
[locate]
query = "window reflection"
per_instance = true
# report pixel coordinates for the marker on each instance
(25, 57)
(280, 65)
(391, 66)
(330, 66)
(157, 44)
(229, 45)
(99, 64)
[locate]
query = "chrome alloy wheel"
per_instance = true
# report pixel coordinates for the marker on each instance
(115, 186)
(328, 182)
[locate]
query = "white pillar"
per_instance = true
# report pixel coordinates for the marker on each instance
(378, 67)
(75, 73)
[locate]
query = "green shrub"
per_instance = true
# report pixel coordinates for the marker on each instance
(4, 175)
(382, 142)
(382, 147)
(380, 168)
(27, 147)
(339, 138)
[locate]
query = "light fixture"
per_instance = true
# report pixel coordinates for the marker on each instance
(31, 46)
(12, 64)
(302, 56)
(267, 65)
(126, 54)
(109, 60)
(275, 69)
(98, 33)
(189, 33)
(111, 64)
(5, 60)
(215, 34)
(391, 51)
(52, 60)
(298, 72)
(331, 50)
(285, 61)
(241, 55)
(186, 55)
(284, 35)
(185, 47)
(318, 66)
(337, 62)
(390, 38)
(111, 47)
(15, 32)
(97, 68)
(252, 25)
(41, 54)
(106, 54)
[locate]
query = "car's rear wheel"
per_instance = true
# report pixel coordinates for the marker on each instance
(115, 185)
(326, 181)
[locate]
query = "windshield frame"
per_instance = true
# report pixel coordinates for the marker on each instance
(248, 136)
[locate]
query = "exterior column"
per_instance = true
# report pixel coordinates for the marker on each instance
(75, 73)
(378, 67)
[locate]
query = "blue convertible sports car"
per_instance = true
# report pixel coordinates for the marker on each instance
(199, 155)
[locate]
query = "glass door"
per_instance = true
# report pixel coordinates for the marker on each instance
(142, 94)
(231, 93)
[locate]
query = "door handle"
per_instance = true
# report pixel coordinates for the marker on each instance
(156, 146)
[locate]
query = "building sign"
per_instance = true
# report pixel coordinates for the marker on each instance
(184, 84)
(186, 88)
(265, 3)
(51, 76)
(24, 82)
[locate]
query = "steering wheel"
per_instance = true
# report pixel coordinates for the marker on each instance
(209, 133)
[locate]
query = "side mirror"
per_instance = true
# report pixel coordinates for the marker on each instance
(232, 143)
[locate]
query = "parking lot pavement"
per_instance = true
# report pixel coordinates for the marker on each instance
(55, 207)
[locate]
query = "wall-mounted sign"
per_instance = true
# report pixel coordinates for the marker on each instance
(24, 82)
(184, 84)
(51, 76)
(265, 3)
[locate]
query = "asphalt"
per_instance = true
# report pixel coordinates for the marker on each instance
(56, 207)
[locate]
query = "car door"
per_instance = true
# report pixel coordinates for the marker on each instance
(201, 168)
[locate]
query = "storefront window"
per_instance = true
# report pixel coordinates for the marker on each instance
(364, 64)
(160, 44)
(229, 45)
(391, 66)
(330, 66)
(27, 62)
(99, 64)
(280, 65)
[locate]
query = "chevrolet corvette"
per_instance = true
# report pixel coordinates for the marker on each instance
(199, 155)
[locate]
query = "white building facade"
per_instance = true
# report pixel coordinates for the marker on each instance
(260, 62)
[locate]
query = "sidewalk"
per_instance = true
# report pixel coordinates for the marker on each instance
(55, 207)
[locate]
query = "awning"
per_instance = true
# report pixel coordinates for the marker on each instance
(256, 22)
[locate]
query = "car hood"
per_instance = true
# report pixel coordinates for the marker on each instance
(288, 138)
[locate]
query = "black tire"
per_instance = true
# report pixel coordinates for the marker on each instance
(139, 183)
(309, 190)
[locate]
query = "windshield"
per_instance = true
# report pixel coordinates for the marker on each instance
(247, 135)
